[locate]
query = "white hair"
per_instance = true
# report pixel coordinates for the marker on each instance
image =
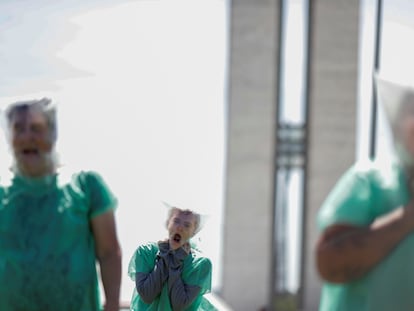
(45, 105)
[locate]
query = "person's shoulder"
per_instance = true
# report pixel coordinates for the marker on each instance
(90, 175)
(79, 179)
(76, 171)
(199, 257)
(360, 172)
(199, 262)
(68, 175)
(377, 169)
(147, 247)
(366, 166)
(86, 178)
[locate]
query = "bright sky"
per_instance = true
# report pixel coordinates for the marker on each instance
(140, 86)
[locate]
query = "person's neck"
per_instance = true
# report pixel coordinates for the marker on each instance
(41, 172)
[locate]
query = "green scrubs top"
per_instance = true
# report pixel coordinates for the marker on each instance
(47, 256)
(196, 271)
(365, 192)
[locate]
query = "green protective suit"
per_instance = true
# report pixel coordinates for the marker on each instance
(47, 256)
(365, 192)
(194, 273)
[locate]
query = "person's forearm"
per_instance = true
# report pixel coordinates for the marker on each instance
(181, 295)
(346, 253)
(111, 272)
(149, 285)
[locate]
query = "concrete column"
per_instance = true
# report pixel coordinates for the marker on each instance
(332, 114)
(250, 162)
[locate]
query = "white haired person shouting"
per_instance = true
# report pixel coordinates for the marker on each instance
(54, 225)
(170, 274)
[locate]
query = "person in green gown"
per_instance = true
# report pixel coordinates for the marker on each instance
(171, 275)
(365, 251)
(55, 225)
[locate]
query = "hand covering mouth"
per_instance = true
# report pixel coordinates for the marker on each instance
(177, 238)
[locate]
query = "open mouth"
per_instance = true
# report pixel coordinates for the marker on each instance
(177, 238)
(30, 151)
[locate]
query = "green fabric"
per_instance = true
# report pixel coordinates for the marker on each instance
(365, 192)
(47, 256)
(196, 271)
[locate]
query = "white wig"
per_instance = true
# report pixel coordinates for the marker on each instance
(199, 217)
(45, 105)
(397, 100)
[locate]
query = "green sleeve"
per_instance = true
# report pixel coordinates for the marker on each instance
(366, 191)
(100, 197)
(199, 273)
(143, 260)
(350, 201)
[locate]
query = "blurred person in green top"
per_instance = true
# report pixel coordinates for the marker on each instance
(365, 252)
(171, 275)
(54, 224)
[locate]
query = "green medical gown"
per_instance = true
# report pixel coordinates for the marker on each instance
(365, 192)
(196, 271)
(47, 256)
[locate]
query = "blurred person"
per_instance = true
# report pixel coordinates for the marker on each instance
(55, 225)
(172, 274)
(365, 252)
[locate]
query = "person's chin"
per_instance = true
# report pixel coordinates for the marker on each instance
(174, 244)
(32, 169)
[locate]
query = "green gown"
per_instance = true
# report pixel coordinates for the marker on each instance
(364, 193)
(47, 256)
(196, 271)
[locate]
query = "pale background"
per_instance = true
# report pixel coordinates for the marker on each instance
(140, 89)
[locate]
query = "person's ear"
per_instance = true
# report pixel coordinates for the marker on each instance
(194, 230)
